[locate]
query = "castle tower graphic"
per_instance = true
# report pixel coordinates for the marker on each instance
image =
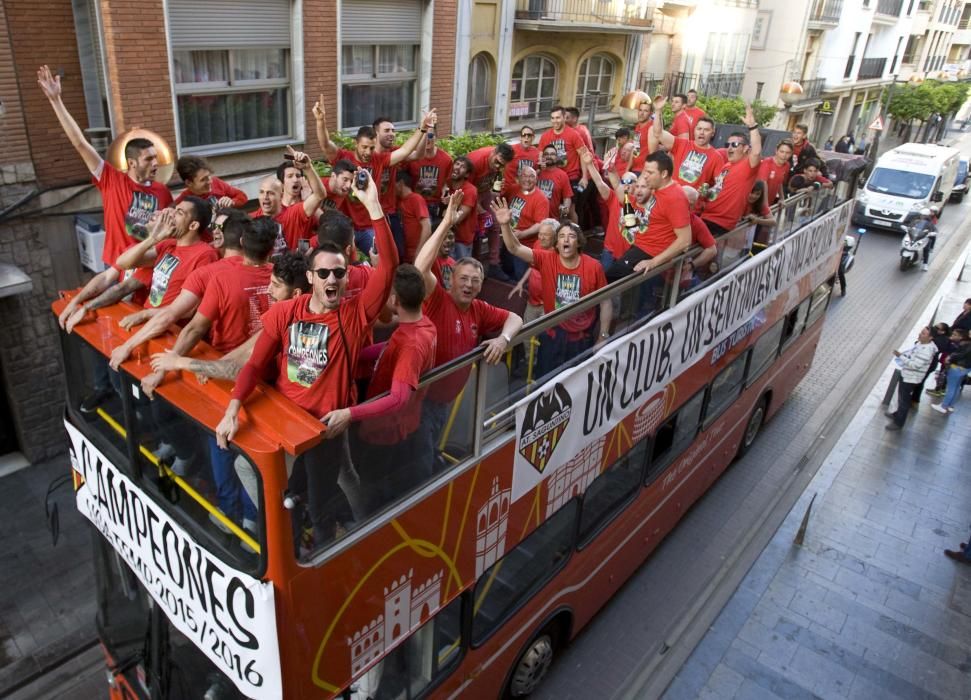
(490, 528)
(367, 645)
(573, 478)
(397, 608)
(426, 599)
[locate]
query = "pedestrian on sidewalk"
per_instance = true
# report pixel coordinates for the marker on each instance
(940, 334)
(962, 555)
(963, 319)
(958, 367)
(913, 364)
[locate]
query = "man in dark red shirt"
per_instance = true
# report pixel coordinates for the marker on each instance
(554, 183)
(567, 141)
(199, 181)
(774, 170)
(293, 180)
(728, 197)
(462, 321)
(366, 156)
(430, 174)
(315, 340)
(696, 162)
(464, 220)
(668, 230)
(572, 117)
(567, 276)
(413, 213)
(296, 223)
(386, 448)
(338, 186)
(642, 146)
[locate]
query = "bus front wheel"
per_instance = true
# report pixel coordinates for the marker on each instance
(532, 665)
(753, 426)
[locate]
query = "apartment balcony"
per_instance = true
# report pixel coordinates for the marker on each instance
(825, 14)
(584, 15)
(871, 68)
(888, 11)
(603, 103)
(812, 91)
(962, 36)
(711, 84)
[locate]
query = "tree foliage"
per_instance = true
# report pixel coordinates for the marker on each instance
(921, 101)
(730, 110)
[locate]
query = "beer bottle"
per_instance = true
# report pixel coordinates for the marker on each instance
(497, 183)
(630, 219)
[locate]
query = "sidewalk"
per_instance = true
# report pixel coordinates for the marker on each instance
(868, 606)
(47, 610)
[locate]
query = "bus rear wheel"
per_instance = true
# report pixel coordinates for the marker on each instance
(532, 665)
(753, 426)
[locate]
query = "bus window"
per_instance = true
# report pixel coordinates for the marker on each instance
(818, 302)
(421, 660)
(508, 583)
(610, 491)
(764, 353)
(211, 492)
(794, 322)
(725, 388)
(94, 397)
(675, 435)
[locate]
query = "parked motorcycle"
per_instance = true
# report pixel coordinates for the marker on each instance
(912, 246)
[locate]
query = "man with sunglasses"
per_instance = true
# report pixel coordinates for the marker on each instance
(524, 154)
(696, 162)
(728, 197)
(315, 340)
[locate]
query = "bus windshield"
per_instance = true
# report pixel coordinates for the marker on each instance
(900, 183)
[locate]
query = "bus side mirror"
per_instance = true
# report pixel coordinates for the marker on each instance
(938, 196)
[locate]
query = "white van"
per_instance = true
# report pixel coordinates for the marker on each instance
(905, 180)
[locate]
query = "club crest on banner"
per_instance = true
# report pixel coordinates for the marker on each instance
(545, 421)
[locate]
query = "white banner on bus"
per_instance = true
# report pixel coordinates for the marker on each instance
(229, 615)
(585, 403)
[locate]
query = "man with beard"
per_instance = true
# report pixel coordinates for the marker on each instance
(642, 145)
(294, 223)
(728, 197)
(464, 219)
(695, 162)
(554, 183)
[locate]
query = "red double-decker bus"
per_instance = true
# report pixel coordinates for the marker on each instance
(544, 496)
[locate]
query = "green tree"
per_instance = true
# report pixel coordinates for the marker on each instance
(730, 110)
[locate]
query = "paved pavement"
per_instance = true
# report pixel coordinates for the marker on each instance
(867, 606)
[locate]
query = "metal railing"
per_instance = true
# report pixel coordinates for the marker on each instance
(963, 24)
(871, 68)
(890, 7)
(711, 84)
(653, 84)
(603, 103)
(811, 89)
(478, 118)
(826, 11)
(606, 12)
(537, 108)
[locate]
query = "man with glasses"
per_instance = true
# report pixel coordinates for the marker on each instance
(524, 154)
(728, 197)
(315, 340)
(695, 161)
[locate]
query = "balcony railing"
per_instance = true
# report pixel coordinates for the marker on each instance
(537, 108)
(963, 24)
(712, 84)
(478, 118)
(811, 90)
(826, 11)
(871, 68)
(891, 8)
(654, 84)
(586, 12)
(603, 103)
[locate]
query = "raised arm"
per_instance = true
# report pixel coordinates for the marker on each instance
(302, 162)
(51, 86)
(329, 148)
(378, 287)
(429, 250)
(657, 133)
(755, 138)
(142, 254)
(503, 217)
(590, 166)
(406, 149)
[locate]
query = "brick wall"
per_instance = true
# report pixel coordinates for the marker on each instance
(138, 67)
(443, 63)
(15, 148)
(320, 22)
(43, 32)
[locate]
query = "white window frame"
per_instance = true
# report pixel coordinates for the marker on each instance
(556, 85)
(377, 78)
(584, 76)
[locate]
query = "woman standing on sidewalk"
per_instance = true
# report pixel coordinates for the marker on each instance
(913, 364)
(958, 367)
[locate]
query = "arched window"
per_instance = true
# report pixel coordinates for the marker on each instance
(596, 75)
(478, 104)
(533, 87)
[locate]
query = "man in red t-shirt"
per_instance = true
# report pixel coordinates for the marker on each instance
(386, 447)
(524, 154)
(314, 340)
(774, 170)
(430, 174)
(696, 162)
(668, 230)
(728, 197)
(567, 141)
(642, 144)
(488, 166)
(293, 180)
(365, 155)
(554, 183)
(414, 215)
(462, 321)
(197, 175)
(528, 207)
(571, 116)
(619, 157)
(296, 223)
(338, 186)
(567, 276)
(691, 111)
(130, 199)
(464, 220)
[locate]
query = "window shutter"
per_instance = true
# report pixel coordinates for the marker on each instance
(225, 24)
(380, 22)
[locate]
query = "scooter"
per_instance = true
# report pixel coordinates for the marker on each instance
(912, 246)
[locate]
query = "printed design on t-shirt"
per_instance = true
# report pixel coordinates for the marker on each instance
(692, 166)
(546, 187)
(328, 204)
(560, 145)
(567, 289)
(307, 353)
(641, 216)
(280, 246)
(143, 205)
(259, 302)
(427, 180)
(716, 188)
(516, 208)
(160, 278)
(385, 180)
(525, 162)
(446, 272)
